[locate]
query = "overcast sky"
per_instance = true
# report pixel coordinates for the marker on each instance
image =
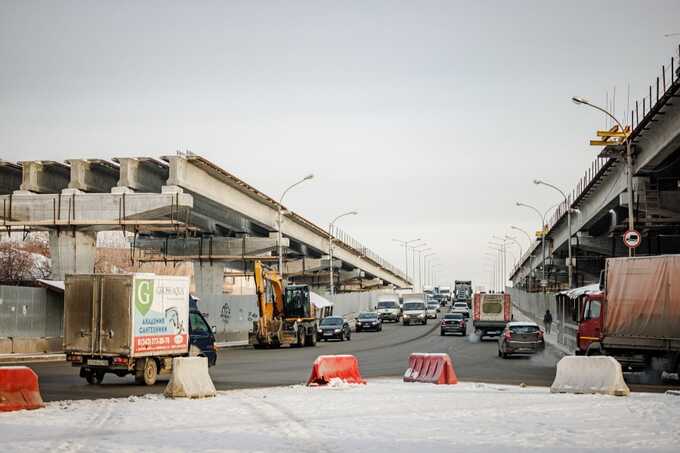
(430, 118)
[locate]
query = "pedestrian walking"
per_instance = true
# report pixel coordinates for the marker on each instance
(547, 320)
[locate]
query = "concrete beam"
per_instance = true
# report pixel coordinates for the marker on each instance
(96, 211)
(44, 176)
(92, 175)
(217, 246)
(141, 174)
(310, 265)
(10, 177)
(200, 176)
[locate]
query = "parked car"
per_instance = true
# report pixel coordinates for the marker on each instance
(414, 311)
(334, 328)
(432, 309)
(461, 307)
(368, 321)
(453, 322)
(520, 338)
(389, 310)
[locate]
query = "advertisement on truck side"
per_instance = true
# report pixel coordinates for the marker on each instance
(160, 314)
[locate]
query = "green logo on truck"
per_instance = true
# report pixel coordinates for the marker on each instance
(143, 295)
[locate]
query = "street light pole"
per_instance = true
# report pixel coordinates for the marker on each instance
(330, 244)
(629, 163)
(405, 244)
(420, 269)
(425, 268)
(568, 205)
(542, 217)
(280, 220)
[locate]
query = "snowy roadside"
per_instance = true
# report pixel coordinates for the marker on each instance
(384, 415)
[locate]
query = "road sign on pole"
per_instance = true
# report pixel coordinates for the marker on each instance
(632, 239)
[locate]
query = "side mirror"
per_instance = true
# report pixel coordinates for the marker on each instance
(214, 329)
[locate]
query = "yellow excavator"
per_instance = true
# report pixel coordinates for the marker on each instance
(287, 315)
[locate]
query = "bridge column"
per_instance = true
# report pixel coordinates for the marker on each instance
(208, 280)
(72, 253)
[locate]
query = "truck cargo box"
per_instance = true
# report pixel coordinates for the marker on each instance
(643, 297)
(134, 315)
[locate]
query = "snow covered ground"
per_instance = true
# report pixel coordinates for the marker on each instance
(385, 415)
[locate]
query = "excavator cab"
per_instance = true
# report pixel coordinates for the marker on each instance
(297, 302)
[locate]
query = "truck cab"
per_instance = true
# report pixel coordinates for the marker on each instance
(590, 321)
(201, 335)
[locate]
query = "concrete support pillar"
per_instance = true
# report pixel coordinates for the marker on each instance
(141, 174)
(10, 177)
(93, 175)
(208, 279)
(44, 176)
(72, 254)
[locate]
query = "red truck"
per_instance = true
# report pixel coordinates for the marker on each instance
(490, 313)
(635, 317)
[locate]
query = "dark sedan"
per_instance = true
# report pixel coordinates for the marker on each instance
(334, 328)
(520, 338)
(369, 321)
(453, 323)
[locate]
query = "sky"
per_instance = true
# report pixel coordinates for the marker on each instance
(430, 118)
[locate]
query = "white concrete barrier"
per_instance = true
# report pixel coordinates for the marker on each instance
(580, 374)
(190, 378)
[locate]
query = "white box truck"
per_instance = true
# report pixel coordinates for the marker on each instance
(131, 324)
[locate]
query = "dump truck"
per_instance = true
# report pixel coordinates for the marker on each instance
(490, 313)
(462, 290)
(132, 324)
(635, 317)
(287, 315)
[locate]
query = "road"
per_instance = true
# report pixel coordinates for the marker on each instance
(380, 354)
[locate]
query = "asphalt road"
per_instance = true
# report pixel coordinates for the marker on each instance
(380, 354)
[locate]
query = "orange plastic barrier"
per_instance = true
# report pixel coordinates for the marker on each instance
(432, 368)
(19, 389)
(327, 367)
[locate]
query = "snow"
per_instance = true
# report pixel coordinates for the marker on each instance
(384, 415)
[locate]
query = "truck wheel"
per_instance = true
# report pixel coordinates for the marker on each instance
(150, 372)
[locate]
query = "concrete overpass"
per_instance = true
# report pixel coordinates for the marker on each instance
(180, 207)
(601, 198)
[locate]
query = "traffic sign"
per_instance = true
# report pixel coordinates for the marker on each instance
(632, 239)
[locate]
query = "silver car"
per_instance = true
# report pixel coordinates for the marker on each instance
(414, 311)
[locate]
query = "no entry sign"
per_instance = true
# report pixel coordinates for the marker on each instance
(632, 239)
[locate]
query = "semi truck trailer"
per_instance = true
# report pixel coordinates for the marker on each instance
(635, 317)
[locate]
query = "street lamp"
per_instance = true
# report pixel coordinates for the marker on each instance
(425, 268)
(629, 162)
(280, 249)
(420, 268)
(542, 217)
(330, 243)
(570, 268)
(525, 233)
(405, 244)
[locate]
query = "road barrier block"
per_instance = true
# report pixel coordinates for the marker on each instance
(327, 367)
(19, 389)
(190, 379)
(581, 374)
(432, 368)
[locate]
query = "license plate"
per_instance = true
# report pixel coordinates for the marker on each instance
(327, 334)
(97, 362)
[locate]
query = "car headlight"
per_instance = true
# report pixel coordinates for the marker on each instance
(320, 331)
(375, 322)
(422, 315)
(337, 330)
(406, 316)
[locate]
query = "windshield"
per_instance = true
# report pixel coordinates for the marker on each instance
(460, 305)
(414, 306)
(387, 305)
(453, 316)
(524, 329)
(367, 315)
(331, 322)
